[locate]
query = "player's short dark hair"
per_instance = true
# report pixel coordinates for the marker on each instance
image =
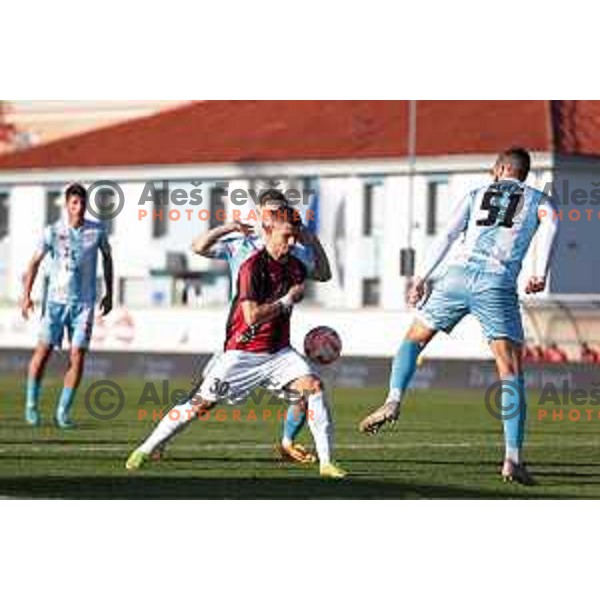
(76, 189)
(288, 214)
(518, 159)
(272, 195)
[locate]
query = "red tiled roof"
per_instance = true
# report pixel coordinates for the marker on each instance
(266, 131)
(577, 127)
(7, 132)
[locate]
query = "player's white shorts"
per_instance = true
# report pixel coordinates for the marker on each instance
(235, 373)
(212, 361)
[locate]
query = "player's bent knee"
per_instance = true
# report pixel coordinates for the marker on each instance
(420, 333)
(307, 385)
(201, 405)
(76, 358)
(507, 367)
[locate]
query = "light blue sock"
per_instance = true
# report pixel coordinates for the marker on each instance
(34, 387)
(295, 419)
(403, 369)
(64, 404)
(514, 413)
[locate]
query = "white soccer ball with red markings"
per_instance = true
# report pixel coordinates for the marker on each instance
(323, 345)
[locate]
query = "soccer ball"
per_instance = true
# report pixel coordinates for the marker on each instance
(323, 345)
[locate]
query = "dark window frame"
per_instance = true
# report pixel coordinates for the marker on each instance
(371, 292)
(160, 227)
(4, 213)
(216, 205)
(433, 205)
(53, 210)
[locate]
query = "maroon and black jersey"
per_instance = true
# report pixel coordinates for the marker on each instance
(264, 280)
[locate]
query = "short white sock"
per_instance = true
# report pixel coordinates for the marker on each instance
(172, 423)
(514, 455)
(321, 426)
(394, 396)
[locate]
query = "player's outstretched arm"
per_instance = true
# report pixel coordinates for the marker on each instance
(547, 235)
(204, 244)
(456, 225)
(322, 269)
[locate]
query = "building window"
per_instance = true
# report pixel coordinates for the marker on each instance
(368, 209)
(437, 194)
(371, 291)
(373, 225)
(160, 214)
(4, 196)
(217, 206)
(105, 200)
(431, 217)
(373, 209)
(54, 206)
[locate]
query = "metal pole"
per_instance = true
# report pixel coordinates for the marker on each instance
(412, 159)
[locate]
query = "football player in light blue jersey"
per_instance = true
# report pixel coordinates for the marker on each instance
(235, 243)
(493, 227)
(72, 245)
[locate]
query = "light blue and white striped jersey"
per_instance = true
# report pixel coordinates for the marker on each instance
(73, 253)
(498, 222)
(237, 248)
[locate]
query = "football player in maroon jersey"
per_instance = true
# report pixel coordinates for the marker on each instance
(257, 347)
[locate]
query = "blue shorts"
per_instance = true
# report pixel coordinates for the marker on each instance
(77, 319)
(461, 292)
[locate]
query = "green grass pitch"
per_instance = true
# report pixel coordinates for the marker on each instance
(445, 446)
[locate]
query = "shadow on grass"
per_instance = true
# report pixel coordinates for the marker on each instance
(139, 487)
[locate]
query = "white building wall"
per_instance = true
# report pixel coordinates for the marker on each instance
(341, 233)
(27, 216)
(394, 238)
(341, 227)
(577, 259)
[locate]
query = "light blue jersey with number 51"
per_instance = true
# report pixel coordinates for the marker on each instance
(499, 222)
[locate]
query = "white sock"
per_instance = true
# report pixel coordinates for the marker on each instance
(394, 396)
(514, 455)
(172, 423)
(321, 426)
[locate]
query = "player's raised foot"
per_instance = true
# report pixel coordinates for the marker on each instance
(332, 471)
(515, 473)
(295, 453)
(32, 416)
(136, 460)
(388, 413)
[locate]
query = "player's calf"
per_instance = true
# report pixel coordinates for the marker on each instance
(33, 390)
(319, 419)
(171, 424)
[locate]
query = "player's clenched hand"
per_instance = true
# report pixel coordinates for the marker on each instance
(26, 307)
(305, 236)
(416, 292)
(293, 296)
(296, 293)
(535, 285)
(106, 305)
(244, 228)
